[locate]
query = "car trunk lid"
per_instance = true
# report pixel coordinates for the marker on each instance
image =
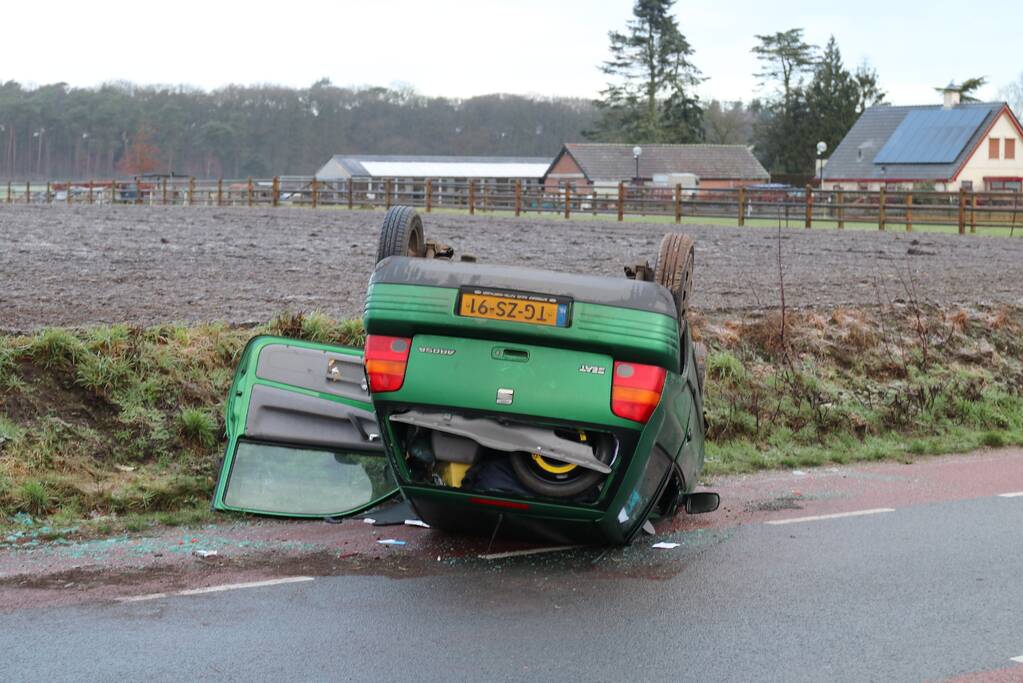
(498, 377)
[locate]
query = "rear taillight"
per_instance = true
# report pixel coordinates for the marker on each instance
(386, 360)
(636, 390)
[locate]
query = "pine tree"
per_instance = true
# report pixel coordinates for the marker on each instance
(785, 59)
(832, 100)
(650, 97)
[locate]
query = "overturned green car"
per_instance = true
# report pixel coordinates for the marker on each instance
(495, 399)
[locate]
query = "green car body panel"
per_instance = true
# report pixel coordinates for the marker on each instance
(405, 310)
(248, 380)
(561, 377)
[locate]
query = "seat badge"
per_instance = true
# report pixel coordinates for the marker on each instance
(505, 397)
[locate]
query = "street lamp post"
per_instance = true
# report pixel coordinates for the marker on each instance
(636, 151)
(39, 155)
(822, 147)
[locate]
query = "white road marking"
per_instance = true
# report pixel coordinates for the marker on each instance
(250, 584)
(140, 598)
(837, 515)
(529, 551)
(1016, 659)
(1015, 494)
(217, 589)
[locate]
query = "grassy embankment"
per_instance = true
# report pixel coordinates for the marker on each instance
(117, 427)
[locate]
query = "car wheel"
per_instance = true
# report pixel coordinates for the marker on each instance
(674, 268)
(671, 498)
(555, 479)
(401, 234)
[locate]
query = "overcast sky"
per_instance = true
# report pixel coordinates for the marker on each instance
(446, 47)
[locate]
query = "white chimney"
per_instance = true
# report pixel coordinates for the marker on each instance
(951, 95)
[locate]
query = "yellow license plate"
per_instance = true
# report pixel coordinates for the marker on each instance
(521, 308)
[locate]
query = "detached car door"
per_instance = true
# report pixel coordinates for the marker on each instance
(303, 440)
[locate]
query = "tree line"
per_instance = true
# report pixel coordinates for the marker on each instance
(121, 129)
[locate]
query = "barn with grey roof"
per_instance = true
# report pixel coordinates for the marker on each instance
(584, 166)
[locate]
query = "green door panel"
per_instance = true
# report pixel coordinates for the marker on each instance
(303, 439)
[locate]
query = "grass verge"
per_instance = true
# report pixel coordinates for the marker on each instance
(117, 428)
(856, 385)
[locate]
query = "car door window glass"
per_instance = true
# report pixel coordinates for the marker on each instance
(275, 478)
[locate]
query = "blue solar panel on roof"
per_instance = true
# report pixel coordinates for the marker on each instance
(931, 136)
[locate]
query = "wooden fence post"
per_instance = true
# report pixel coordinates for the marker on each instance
(973, 212)
(742, 206)
(348, 189)
(68, 197)
(275, 191)
(841, 209)
(163, 192)
(882, 201)
(678, 203)
(191, 190)
(113, 192)
(962, 211)
(250, 191)
(387, 193)
(621, 200)
(8, 191)
(28, 192)
(49, 193)
(809, 207)
(314, 188)
(568, 201)
(220, 191)
(909, 212)
(429, 195)
(91, 183)
(518, 197)
(472, 197)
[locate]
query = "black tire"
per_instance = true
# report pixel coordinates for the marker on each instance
(401, 234)
(671, 498)
(674, 268)
(578, 481)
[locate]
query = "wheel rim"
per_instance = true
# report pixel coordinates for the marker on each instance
(414, 246)
(552, 467)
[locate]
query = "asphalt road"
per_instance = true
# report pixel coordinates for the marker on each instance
(924, 592)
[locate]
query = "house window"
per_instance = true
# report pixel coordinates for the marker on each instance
(1010, 148)
(1005, 185)
(992, 148)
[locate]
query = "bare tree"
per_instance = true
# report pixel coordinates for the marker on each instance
(1013, 94)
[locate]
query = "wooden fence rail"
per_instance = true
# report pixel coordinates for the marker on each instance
(810, 207)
